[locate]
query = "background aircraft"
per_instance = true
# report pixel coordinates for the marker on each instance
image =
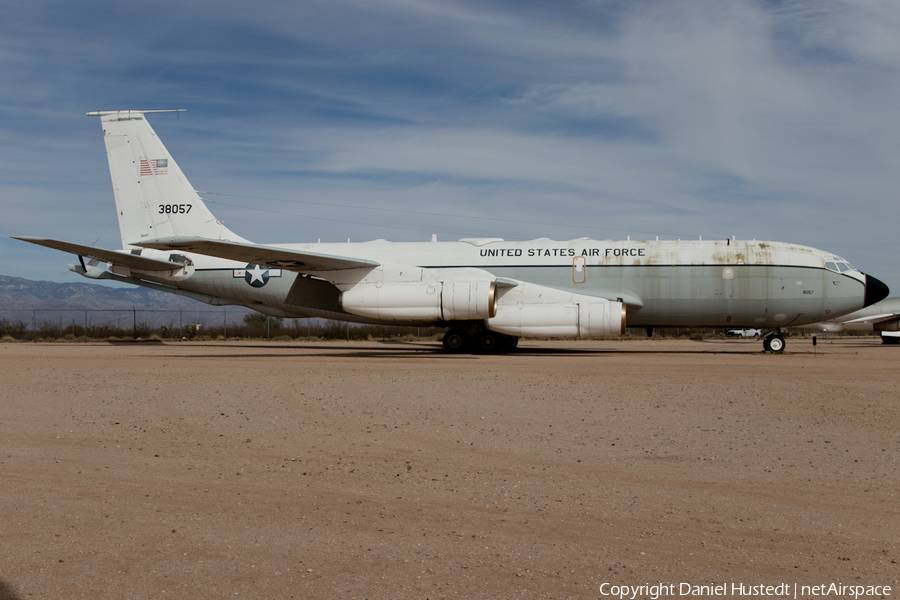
(882, 317)
(487, 291)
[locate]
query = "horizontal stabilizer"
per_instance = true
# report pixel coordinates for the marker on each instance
(112, 257)
(281, 258)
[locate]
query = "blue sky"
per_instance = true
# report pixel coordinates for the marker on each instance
(402, 118)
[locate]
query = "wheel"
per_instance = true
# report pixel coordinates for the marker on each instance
(488, 342)
(456, 340)
(890, 340)
(774, 343)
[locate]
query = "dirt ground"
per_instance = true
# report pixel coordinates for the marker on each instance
(390, 470)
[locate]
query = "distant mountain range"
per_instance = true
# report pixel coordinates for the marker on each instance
(19, 293)
(23, 299)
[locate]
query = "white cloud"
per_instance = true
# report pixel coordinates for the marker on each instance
(762, 120)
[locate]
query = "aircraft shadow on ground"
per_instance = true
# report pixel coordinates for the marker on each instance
(8, 592)
(407, 350)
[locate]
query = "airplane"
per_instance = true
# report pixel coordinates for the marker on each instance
(883, 317)
(487, 292)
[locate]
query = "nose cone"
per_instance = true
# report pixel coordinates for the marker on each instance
(876, 291)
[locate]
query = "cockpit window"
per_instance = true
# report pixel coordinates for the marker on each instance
(838, 265)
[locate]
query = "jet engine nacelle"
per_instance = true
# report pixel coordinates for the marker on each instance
(394, 301)
(437, 301)
(468, 300)
(513, 307)
(597, 318)
(541, 312)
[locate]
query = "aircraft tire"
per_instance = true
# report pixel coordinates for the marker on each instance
(456, 340)
(489, 342)
(774, 343)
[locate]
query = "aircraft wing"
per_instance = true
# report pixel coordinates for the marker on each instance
(874, 318)
(281, 258)
(623, 296)
(132, 261)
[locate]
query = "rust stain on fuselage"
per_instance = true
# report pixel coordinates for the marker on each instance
(699, 253)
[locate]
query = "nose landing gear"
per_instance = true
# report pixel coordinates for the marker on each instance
(774, 342)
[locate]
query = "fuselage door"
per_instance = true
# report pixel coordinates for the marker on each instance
(578, 269)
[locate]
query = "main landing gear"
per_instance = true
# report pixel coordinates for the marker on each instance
(458, 340)
(774, 342)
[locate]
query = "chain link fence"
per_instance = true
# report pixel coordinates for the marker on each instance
(40, 324)
(93, 324)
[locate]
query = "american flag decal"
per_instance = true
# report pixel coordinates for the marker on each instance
(156, 166)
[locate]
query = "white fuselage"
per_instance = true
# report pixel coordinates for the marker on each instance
(662, 283)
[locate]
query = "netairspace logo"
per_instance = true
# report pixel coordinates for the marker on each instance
(781, 590)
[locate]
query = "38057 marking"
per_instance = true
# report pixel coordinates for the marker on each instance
(174, 209)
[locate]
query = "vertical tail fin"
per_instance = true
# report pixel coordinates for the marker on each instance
(153, 197)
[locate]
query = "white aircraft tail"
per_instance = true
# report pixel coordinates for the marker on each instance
(153, 197)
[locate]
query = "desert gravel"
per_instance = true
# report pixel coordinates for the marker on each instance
(391, 470)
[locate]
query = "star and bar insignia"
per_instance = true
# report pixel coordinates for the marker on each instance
(256, 275)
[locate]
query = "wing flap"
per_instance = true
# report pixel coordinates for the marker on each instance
(113, 257)
(271, 256)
